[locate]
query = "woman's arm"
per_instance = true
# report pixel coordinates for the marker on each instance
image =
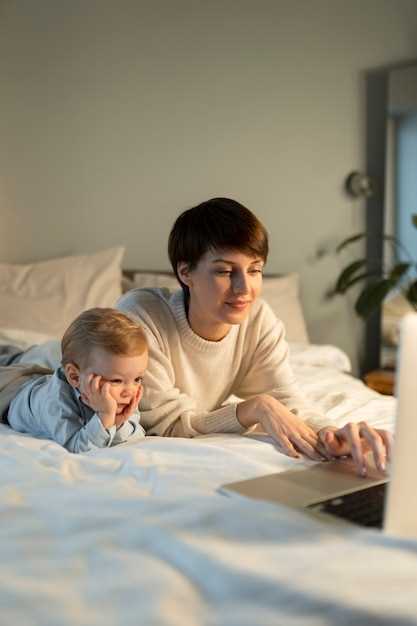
(278, 404)
(269, 373)
(291, 433)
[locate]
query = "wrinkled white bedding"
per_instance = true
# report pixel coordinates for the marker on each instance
(139, 534)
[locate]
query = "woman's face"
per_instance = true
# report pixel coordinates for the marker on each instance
(223, 286)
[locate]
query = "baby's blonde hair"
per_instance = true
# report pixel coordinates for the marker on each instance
(104, 328)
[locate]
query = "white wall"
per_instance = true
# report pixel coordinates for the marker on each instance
(116, 115)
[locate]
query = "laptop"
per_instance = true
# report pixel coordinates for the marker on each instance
(333, 490)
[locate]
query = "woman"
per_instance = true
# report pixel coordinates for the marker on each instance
(215, 339)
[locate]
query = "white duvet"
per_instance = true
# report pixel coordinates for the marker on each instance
(140, 534)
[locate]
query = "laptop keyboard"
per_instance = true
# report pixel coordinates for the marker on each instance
(364, 507)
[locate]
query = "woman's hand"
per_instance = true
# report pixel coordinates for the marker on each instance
(292, 434)
(355, 440)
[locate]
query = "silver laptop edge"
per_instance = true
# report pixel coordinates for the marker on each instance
(305, 487)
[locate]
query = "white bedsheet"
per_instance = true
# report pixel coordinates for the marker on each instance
(139, 534)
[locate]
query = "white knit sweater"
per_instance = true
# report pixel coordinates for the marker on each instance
(189, 379)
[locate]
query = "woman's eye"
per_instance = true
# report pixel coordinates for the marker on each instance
(116, 381)
(255, 271)
(224, 272)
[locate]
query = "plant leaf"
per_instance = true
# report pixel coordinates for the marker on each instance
(356, 279)
(398, 271)
(411, 294)
(372, 296)
(350, 240)
(347, 275)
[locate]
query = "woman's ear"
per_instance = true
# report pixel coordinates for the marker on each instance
(72, 374)
(183, 271)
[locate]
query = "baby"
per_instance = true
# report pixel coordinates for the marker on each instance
(92, 399)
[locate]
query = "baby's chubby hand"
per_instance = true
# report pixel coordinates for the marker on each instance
(129, 409)
(96, 393)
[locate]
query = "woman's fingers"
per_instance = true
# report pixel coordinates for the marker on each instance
(315, 441)
(388, 440)
(287, 447)
(356, 440)
(283, 442)
(344, 441)
(303, 445)
(380, 442)
(335, 445)
(295, 442)
(351, 432)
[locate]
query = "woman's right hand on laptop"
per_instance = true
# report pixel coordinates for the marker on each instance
(294, 437)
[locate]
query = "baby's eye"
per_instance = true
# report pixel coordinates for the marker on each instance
(139, 380)
(116, 381)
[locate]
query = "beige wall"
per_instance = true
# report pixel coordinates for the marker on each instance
(116, 115)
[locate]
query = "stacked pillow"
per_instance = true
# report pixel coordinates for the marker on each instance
(43, 298)
(39, 300)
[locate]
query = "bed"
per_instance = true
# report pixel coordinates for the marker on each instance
(140, 533)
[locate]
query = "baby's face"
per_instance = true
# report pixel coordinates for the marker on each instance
(124, 373)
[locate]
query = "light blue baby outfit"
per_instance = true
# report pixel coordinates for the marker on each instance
(48, 407)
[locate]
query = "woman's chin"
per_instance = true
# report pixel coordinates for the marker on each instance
(236, 315)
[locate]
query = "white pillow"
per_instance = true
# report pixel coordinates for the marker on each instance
(280, 292)
(147, 280)
(45, 297)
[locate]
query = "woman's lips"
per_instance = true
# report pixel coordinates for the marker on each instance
(239, 304)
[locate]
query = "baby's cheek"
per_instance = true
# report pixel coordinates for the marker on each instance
(114, 392)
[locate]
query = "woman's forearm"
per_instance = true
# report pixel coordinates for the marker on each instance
(250, 412)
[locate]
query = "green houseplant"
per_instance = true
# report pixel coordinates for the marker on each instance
(376, 285)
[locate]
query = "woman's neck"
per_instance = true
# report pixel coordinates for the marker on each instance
(205, 328)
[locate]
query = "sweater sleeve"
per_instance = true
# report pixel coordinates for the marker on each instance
(165, 409)
(270, 372)
(128, 430)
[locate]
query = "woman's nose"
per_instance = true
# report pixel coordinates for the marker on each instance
(240, 284)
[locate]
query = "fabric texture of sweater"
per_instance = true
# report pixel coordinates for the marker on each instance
(192, 386)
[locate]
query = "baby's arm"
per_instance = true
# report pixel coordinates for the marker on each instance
(62, 424)
(76, 439)
(130, 428)
(128, 422)
(47, 408)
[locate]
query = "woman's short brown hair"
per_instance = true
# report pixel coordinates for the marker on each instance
(217, 224)
(105, 328)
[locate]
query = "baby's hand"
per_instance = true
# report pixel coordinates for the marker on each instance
(99, 398)
(130, 408)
